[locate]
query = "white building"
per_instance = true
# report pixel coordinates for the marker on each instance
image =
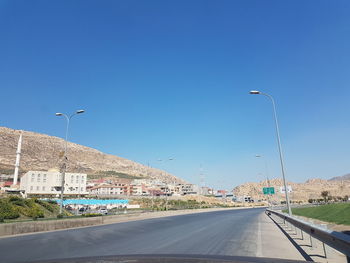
(49, 182)
(188, 189)
(204, 190)
(107, 189)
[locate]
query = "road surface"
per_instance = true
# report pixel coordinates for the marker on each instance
(243, 232)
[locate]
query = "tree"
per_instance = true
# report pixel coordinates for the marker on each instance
(325, 195)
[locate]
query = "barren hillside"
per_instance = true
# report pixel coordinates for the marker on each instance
(43, 152)
(311, 189)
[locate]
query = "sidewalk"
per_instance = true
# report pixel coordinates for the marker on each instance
(311, 246)
(274, 244)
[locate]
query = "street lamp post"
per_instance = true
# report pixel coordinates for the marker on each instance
(166, 189)
(267, 176)
(68, 118)
(256, 92)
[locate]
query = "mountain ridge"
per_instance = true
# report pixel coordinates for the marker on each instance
(310, 189)
(340, 178)
(43, 152)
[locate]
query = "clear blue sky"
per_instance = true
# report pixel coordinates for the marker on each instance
(163, 79)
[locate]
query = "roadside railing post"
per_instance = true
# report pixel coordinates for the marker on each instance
(336, 240)
(324, 250)
(311, 241)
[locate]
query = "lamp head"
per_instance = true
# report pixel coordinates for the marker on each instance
(254, 92)
(59, 114)
(80, 111)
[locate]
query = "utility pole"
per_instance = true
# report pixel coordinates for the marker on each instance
(64, 165)
(255, 92)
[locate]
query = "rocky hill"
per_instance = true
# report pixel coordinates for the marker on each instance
(43, 152)
(341, 178)
(311, 189)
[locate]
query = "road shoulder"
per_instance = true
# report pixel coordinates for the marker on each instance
(274, 243)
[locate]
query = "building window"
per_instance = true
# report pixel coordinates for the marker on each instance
(33, 177)
(37, 188)
(44, 178)
(38, 178)
(77, 181)
(31, 187)
(43, 188)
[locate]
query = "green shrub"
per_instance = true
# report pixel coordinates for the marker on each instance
(46, 205)
(31, 209)
(33, 212)
(7, 211)
(37, 212)
(60, 216)
(53, 202)
(16, 200)
(29, 202)
(91, 214)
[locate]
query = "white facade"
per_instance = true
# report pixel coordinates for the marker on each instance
(137, 189)
(108, 190)
(49, 182)
(187, 189)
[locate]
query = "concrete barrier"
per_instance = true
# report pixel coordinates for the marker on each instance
(16, 228)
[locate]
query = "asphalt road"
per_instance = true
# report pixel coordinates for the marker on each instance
(230, 232)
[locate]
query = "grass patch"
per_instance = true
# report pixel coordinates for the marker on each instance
(159, 204)
(334, 213)
(91, 214)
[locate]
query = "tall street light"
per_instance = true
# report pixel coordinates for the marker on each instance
(266, 169)
(256, 92)
(68, 118)
(166, 189)
(267, 174)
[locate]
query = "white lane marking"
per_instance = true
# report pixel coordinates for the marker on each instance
(259, 242)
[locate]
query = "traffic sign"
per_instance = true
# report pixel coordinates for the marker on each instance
(269, 190)
(283, 191)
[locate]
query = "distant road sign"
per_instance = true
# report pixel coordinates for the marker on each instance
(283, 191)
(269, 190)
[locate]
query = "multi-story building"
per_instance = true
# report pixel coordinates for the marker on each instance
(107, 189)
(186, 189)
(204, 190)
(49, 182)
(140, 190)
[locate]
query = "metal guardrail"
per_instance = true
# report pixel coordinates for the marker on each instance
(336, 240)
